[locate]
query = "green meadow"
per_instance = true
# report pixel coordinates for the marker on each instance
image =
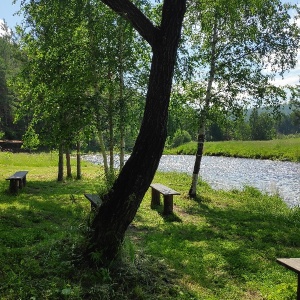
(280, 149)
(222, 245)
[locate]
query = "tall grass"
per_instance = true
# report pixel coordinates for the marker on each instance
(281, 149)
(223, 245)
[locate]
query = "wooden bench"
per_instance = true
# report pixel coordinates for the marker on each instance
(17, 181)
(168, 193)
(294, 265)
(95, 200)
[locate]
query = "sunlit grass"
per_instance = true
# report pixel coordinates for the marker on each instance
(281, 149)
(223, 245)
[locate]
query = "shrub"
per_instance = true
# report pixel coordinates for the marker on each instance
(180, 137)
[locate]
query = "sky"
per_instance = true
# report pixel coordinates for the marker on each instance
(8, 13)
(7, 10)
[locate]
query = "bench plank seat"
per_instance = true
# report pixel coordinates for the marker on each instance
(157, 189)
(17, 181)
(95, 200)
(292, 264)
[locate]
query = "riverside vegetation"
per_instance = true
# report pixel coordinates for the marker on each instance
(223, 245)
(279, 149)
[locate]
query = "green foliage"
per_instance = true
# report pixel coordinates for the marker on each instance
(31, 139)
(230, 62)
(74, 79)
(257, 124)
(9, 65)
(180, 137)
(262, 126)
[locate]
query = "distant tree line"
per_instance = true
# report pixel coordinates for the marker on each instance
(10, 62)
(254, 124)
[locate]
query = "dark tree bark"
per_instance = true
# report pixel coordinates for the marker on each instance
(199, 154)
(123, 200)
(111, 132)
(78, 159)
(60, 175)
(68, 162)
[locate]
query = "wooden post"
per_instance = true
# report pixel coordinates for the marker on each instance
(298, 287)
(20, 183)
(168, 204)
(24, 181)
(14, 186)
(155, 199)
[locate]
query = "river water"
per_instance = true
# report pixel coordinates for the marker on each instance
(235, 173)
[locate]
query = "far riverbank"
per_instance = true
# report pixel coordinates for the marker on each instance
(287, 149)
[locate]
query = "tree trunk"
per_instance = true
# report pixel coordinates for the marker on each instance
(121, 97)
(121, 203)
(78, 158)
(111, 132)
(201, 135)
(104, 156)
(60, 175)
(199, 154)
(68, 162)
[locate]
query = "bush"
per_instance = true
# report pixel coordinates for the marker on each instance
(180, 137)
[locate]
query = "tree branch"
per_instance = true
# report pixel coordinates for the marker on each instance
(140, 22)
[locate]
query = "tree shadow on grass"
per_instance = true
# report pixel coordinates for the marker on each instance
(171, 217)
(67, 192)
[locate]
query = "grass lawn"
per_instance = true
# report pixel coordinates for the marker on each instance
(280, 149)
(223, 245)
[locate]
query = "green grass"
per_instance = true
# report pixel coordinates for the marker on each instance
(223, 245)
(281, 149)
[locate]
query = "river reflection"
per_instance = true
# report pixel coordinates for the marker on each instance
(234, 173)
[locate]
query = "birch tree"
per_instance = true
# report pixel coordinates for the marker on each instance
(243, 45)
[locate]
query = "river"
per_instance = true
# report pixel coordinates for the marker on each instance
(235, 173)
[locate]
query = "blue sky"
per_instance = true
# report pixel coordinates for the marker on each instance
(8, 13)
(7, 10)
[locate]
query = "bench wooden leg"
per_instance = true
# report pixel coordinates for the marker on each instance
(298, 288)
(24, 181)
(155, 199)
(21, 183)
(14, 186)
(168, 204)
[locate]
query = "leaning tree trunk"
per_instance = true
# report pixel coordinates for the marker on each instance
(121, 203)
(199, 154)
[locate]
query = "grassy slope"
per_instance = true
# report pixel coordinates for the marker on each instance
(221, 246)
(282, 149)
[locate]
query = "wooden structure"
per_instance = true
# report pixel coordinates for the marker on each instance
(17, 181)
(167, 193)
(292, 264)
(95, 201)
(11, 145)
